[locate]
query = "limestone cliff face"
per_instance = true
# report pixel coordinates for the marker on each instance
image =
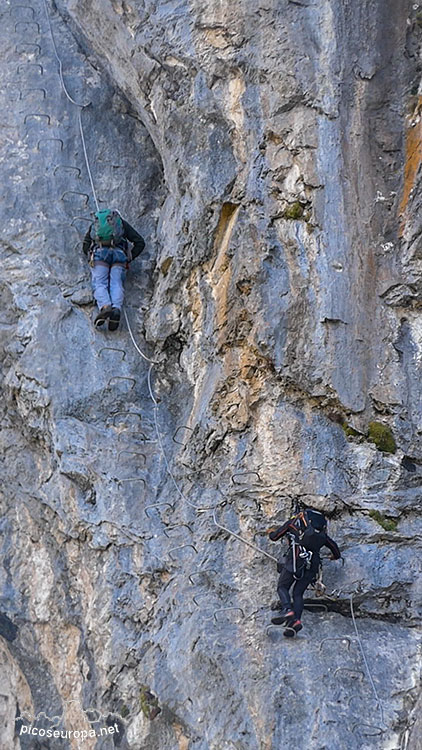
(269, 152)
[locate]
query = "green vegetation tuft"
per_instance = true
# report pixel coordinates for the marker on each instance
(294, 211)
(149, 703)
(349, 431)
(124, 711)
(388, 524)
(166, 265)
(143, 699)
(382, 436)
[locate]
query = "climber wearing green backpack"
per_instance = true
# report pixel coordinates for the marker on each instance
(106, 243)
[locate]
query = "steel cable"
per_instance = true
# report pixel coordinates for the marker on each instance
(73, 101)
(379, 704)
(81, 107)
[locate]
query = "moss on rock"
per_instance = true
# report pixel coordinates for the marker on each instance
(382, 436)
(149, 703)
(349, 431)
(294, 211)
(166, 265)
(389, 524)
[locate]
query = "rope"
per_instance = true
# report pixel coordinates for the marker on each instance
(140, 352)
(160, 443)
(379, 704)
(138, 349)
(72, 100)
(166, 461)
(267, 554)
(81, 130)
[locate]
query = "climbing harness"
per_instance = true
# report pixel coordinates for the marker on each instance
(305, 554)
(125, 531)
(299, 551)
(199, 509)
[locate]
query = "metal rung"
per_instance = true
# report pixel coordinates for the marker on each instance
(132, 479)
(27, 44)
(111, 349)
(244, 474)
(23, 7)
(24, 94)
(29, 65)
(198, 572)
(225, 609)
(182, 427)
(55, 140)
(176, 526)
(75, 192)
(133, 453)
(368, 726)
(28, 23)
(196, 597)
(206, 508)
(271, 625)
(196, 472)
(313, 605)
(130, 414)
(122, 377)
(156, 505)
(37, 114)
(75, 169)
(353, 672)
(182, 546)
(343, 638)
(81, 218)
(126, 413)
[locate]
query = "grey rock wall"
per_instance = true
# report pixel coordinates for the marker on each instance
(269, 153)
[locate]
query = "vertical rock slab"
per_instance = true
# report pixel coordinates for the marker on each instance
(263, 150)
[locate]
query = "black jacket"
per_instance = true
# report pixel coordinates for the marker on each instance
(314, 543)
(131, 235)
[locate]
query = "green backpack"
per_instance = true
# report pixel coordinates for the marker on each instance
(107, 228)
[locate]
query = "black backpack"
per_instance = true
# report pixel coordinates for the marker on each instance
(309, 528)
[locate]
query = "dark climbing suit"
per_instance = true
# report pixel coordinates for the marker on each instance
(304, 575)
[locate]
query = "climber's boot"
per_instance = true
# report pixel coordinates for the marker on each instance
(102, 315)
(283, 618)
(114, 319)
(293, 628)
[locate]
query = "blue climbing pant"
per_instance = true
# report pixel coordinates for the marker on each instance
(108, 276)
